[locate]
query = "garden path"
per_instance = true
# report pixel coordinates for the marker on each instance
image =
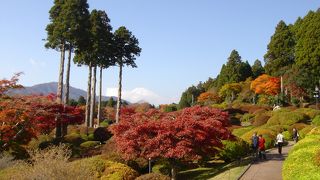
(269, 169)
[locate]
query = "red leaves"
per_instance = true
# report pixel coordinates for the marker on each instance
(185, 135)
(5, 85)
(35, 114)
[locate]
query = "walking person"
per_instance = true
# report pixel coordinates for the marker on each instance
(295, 135)
(280, 141)
(262, 148)
(255, 144)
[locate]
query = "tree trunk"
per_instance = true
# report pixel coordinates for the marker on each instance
(64, 126)
(93, 96)
(173, 173)
(60, 89)
(100, 97)
(67, 85)
(119, 95)
(88, 98)
(61, 69)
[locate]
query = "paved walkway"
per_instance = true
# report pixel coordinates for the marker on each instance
(269, 169)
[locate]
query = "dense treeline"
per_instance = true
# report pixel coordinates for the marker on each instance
(293, 54)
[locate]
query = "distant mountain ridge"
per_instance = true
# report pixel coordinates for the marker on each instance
(51, 87)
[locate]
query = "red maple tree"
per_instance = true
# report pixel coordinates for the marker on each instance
(185, 135)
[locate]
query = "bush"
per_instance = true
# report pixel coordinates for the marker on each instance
(96, 165)
(247, 117)
(51, 163)
(268, 134)
(240, 131)
(311, 113)
(316, 120)
(153, 176)
(39, 141)
(73, 138)
(301, 162)
(233, 150)
(118, 171)
(90, 144)
(305, 131)
(287, 135)
(101, 134)
(162, 166)
(286, 118)
(315, 131)
(260, 119)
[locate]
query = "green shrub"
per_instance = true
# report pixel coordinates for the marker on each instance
(118, 171)
(90, 144)
(96, 165)
(305, 131)
(104, 123)
(286, 118)
(101, 134)
(240, 131)
(153, 176)
(301, 162)
(287, 135)
(162, 166)
(73, 138)
(268, 134)
(311, 113)
(223, 105)
(247, 117)
(260, 119)
(39, 141)
(233, 150)
(316, 120)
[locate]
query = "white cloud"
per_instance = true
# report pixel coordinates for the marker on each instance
(141, 94)
(37, 63)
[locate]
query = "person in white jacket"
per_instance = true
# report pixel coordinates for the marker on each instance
(280, 141)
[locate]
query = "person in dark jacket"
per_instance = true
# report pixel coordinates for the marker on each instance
(255, 144)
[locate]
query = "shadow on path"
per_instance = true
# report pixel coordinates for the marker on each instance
(270, 168)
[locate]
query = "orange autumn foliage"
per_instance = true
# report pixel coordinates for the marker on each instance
(266, 84)
(209, 97)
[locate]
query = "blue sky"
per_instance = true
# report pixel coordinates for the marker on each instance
(183, 41)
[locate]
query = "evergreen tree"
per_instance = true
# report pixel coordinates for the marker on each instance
(190, 96)
(111, 102)
(307, 48)
(257, 69)
(234, 70)
(127, 48)
(280, 55)
(81, 101)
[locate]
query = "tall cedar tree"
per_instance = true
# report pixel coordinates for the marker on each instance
(75, 16)
(280, 54)
(127, 48)
(190, 96)
(56, 39)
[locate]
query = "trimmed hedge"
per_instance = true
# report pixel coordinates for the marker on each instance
(268, 134)
(233, 150)
(153, 176)
(286, 118)
(73, 138)
(302, 162)
(106, 169)
(311, 113)
(316, 120)
(90, 144)
(240, 131)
